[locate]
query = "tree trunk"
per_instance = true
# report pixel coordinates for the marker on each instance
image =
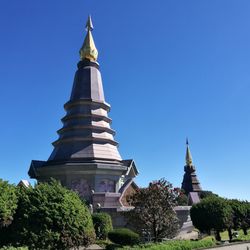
(217, 235)
(230, 235)
(155, 231)
(245, 231)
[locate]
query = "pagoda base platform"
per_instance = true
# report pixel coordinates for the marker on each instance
(104, 185)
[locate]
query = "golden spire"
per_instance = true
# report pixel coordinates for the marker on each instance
(189, 160)
(88, 49)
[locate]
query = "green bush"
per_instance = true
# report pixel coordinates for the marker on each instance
(8, 203)
(124, 236)
(102, 224)
(50, 216)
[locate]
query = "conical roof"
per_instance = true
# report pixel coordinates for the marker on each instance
(190, 181)
(86, 134)
(189, 160)
(88, 49)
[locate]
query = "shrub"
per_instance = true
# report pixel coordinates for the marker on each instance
(123, 236)
(50, 216)
(8, 203)
(102, 224)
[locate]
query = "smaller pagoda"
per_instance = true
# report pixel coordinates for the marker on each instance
(190, 183)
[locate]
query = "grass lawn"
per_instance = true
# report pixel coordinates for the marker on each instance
(169, 245)
(224, 236)
(208, 241)
(242, 237)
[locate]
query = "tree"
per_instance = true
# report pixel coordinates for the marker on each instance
(153, 210)
(204, 194)
(50, 216)
(181, 199)
(241, 214)
(212, 213)
(8, 203)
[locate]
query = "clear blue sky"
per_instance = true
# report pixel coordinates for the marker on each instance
(170, 69)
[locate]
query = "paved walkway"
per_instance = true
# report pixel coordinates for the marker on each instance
(94, 247)
(91, 247)
(244, 246)
(187, 231)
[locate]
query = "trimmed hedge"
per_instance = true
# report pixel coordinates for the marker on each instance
(124, 236)
(102, 224)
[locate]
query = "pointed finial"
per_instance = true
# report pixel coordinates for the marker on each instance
(89, 24)
(88, 50)
(189, 160)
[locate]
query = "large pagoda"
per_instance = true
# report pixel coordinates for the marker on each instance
(85, 156)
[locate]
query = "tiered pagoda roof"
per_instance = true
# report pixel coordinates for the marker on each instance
(86, 134)
(190, 181)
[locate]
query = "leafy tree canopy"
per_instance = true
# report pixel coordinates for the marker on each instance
(241, 214)
(212, 213)
(205, 193)
(182, 198)
(153, 210)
